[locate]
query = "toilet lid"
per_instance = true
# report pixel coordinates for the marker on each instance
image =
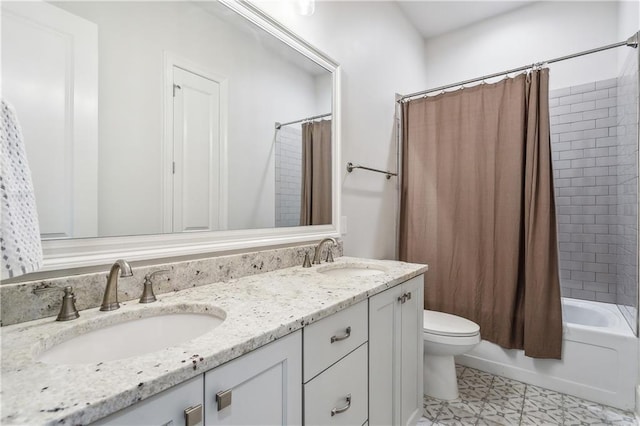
(444, 324)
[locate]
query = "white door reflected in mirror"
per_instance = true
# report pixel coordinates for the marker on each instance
(197, 146)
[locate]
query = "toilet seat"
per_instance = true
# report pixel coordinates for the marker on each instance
(447, 325)
(430, 338)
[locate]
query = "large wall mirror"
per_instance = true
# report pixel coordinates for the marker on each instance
(168, 128)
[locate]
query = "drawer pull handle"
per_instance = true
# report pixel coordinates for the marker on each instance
(404, 297)
(342, 409)
(193, 415)
(223, 399)
(344, 336)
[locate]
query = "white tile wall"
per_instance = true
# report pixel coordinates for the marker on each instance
(596, 178)
(288, 165)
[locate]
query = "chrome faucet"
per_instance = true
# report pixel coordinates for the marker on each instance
(110, 299)
(318, 252)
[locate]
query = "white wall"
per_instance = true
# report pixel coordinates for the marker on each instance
(533, 33)
(380, 54)
(131, 43)
(324, 85)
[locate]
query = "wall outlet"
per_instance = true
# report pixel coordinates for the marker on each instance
(343, 225)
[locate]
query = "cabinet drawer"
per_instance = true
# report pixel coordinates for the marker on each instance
(328, 392)
(331, 338)
(165, 408)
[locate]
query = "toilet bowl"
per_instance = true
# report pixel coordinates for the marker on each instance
(445, 336)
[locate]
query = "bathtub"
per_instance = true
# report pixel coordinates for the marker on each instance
(599, 361)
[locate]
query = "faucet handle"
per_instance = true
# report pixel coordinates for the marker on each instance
(68, 309)
(329, 257)
(307, 262)
(147, 293)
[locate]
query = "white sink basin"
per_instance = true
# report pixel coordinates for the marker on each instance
(350, 270)
(131, 338)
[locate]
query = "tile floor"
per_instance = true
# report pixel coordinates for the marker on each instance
(487, 400)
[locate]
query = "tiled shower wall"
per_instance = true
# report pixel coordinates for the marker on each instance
(288, 170)
(583, 142)
(596, 174)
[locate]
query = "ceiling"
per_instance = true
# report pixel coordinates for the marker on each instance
(432, 18)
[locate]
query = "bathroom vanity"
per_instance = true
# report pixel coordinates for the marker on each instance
(333, 344)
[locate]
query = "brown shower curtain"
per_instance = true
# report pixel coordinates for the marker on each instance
(478, 207)
(316, 204)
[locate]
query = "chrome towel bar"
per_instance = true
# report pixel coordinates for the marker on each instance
(351, 166)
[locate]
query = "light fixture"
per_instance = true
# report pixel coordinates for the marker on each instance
(306, 7)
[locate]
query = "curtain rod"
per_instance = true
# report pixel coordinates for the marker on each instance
(631, 42)
(315, 117)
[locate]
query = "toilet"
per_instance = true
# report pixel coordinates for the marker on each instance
(445, 336)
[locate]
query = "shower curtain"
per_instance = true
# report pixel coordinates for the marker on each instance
(316, 207)
(478, 207)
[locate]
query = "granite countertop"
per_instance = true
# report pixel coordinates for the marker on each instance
(259, 309)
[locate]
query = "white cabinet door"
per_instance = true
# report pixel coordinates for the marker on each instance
(395, 354)
(384, 357)
(165, 408)
(263, 387)
(411, 389)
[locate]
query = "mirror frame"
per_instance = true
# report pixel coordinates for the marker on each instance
(84, 252)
